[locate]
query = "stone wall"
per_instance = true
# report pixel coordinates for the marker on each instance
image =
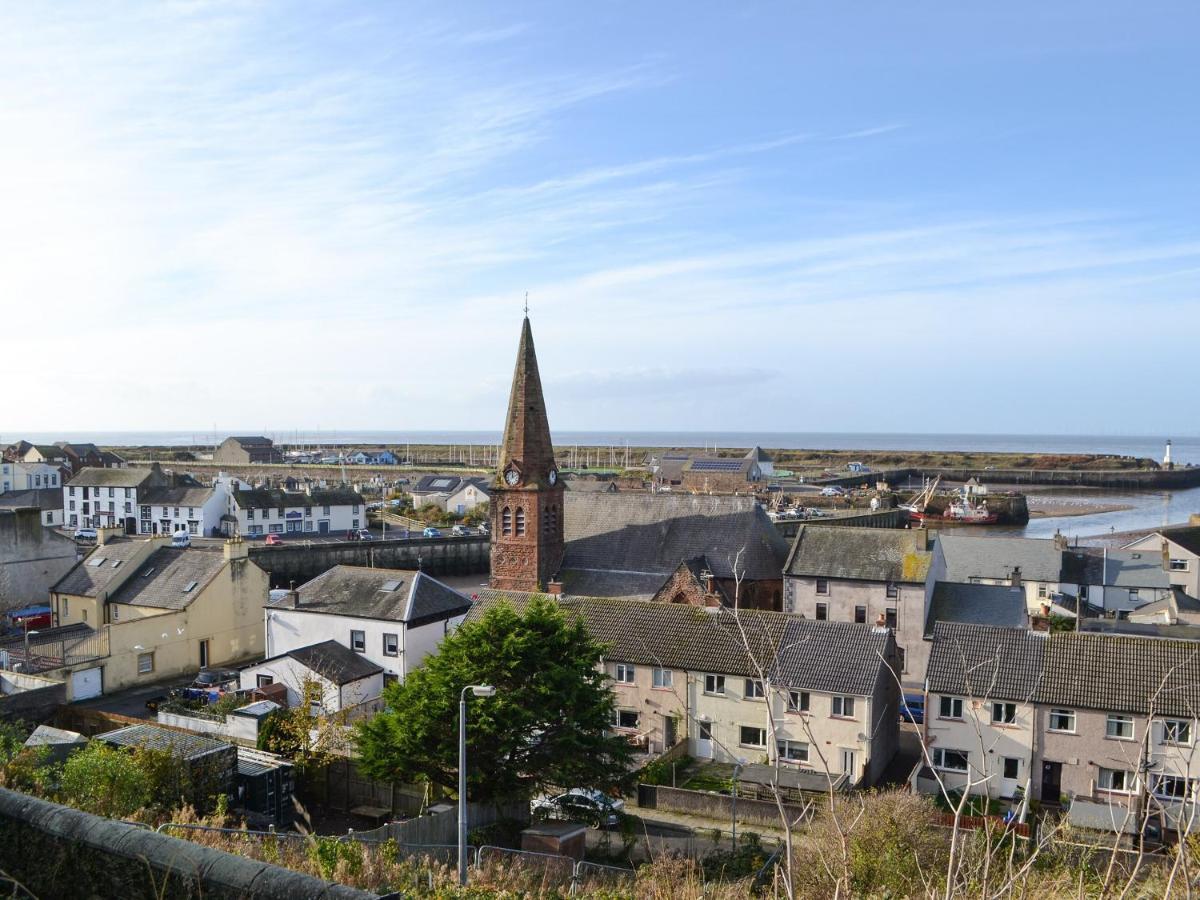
(714, 806)
(32, 557)
(56, 851)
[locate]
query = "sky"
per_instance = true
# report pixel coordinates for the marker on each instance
(919, 217)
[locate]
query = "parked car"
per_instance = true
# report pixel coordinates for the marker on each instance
(181, 539)
(832, 491)
(364, 535)
(484, 528)
(85, 534)
(580, 805)
(430, 531)
(460, 530)
(912, 708)
(273, 540)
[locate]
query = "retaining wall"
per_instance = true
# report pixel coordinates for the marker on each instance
(56, 851)
(714, 806)
(299, 561)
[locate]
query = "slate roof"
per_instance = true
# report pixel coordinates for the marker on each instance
(86, 580)
(986, 661)
(589, 486)
(97, 477)
(437, 484)
(252, 440)
(720, 465)
(995, 557)
(182, 744)
(1117, 568)
(334, 662)
(834, 657)
(413, 597)
(45, 498)
(273, 498)
(1187, 537)
(175, 496)
(1081, 670)
(652, 533)
(162, 580)
(977, 604)
(890, 555)
(758, 454)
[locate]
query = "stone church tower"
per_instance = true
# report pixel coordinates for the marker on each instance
(527, 495)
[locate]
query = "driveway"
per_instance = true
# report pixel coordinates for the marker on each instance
(132, 702)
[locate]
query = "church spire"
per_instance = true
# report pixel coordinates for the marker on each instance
(527, 448)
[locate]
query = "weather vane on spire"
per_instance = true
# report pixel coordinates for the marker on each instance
(527, 304)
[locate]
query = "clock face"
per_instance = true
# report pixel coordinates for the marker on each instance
(553, 476)
(512, 476)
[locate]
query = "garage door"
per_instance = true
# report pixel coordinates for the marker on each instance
(86, 683)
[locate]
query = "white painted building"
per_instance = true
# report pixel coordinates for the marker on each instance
(20, 476)
(196, 510)
(393, 618)
(99, 497)
(345, 679)
(317, 511)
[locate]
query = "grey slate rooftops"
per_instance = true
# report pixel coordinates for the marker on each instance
(171, 578)
(437, 484)
(175, 496)
(978, 604)
(1084, 670)
(818, 656)
(653, 533)
(995, 557)
(1187, 537)
(758, 454)
(272, 498)
(1114, 568)
(92, 575)
(335, 662)
(898, 556)
(97, 477)
(44, 499)
(252, 440)
(392, 594)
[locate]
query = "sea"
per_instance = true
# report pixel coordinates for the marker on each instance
(1148, 509)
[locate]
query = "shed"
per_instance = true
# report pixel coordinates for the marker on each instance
(560, 838)
(61, 743)
(265, 783)
(211, 764)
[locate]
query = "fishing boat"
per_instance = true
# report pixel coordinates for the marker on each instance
(962, 510)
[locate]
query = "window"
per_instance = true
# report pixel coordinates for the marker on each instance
(506, 521)
(145, 663)
(324, 510)
(752, 736)
(275, 528)
(1012, 768)
(145, 512)
(1004, 713)
(714, 684)
(793, 751)
(797, 701)
(1177, 731)
(250, 514)
(823, 586)
(308, 512)
(1119, 727)
(315, 707)
(843, 707)
(754, 689)
(662, 678)
(889, 617)
(822, 612)
(1062, 720)
(950, 708)
(1179, 565)
(72, 490)
(1133, 595)
(625, 718)
(358, 641)
(1041, 592)
(520, 521)
(860, 614)
(128, 492)
(264, 680)
(1116, 780)
(391, 645)
(71, 506)
(893, 591)
(1174, 787)
(949, 760)
(624, 673)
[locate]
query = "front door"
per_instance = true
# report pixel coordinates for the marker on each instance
(1051, 782)
(668, 732)
(1010, 777)
(323, 526)
(203, 654)
(704, 741)
(850, 765)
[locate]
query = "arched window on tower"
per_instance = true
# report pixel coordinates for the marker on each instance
(520, 521)
(506, 521)
(553, 519)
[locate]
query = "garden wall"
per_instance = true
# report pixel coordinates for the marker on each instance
(714, 806)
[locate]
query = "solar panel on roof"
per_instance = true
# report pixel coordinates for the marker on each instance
(440, 482)
(716, 465)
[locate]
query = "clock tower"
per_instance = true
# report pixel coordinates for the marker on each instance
(527, 496)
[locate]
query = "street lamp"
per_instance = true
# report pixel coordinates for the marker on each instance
(479, 690)
(28, 667)
(737, 773)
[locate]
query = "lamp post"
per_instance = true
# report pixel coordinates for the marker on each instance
(479, 690)
(737, 773)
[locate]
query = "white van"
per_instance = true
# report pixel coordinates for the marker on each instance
(85, 534)
(181, 539)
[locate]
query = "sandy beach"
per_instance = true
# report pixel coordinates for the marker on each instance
(1052, 507)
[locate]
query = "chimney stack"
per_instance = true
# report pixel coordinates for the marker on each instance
(235, 548)
(294, 595)
(1060, 540)
(554, 587)
(1166, 556)
(1015, 578)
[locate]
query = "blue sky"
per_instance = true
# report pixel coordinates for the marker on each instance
(786, 217)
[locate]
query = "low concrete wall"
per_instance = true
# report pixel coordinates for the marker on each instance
(300, 562)
(240, 729)
(714, 806)
(442, 827)
(31, 698)
(56, 851)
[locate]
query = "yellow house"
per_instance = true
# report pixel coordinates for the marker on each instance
(154, 611)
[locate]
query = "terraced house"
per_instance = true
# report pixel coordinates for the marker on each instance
(1102, 724)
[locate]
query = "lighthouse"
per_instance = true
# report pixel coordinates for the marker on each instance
(1167, 464)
